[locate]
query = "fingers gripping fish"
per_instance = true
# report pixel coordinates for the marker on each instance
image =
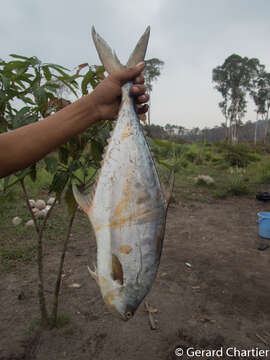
(127, 208)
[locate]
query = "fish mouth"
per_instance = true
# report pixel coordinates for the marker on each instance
(124, 316)
(128, 315)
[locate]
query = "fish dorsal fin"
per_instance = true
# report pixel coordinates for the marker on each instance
(106, 54)
(117, 270)
(84, 201)
(138, 53)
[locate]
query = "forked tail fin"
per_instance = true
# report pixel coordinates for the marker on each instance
(109, 58)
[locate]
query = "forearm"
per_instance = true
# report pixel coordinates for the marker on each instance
(24, 146)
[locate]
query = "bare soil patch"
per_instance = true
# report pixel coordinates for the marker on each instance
(212, 290)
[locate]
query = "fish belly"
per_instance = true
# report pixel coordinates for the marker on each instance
(128, 209)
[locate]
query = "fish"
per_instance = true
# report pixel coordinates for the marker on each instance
(127, 208)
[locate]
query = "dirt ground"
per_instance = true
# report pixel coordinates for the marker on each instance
(212, 291)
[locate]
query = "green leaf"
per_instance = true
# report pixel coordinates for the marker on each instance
(96, 151)
(63, 155)
(19, 66)
(21, 174)
(88, 78)
(70, 200)
(6, 181)
(59, 69)
(163, 143)
(166, 164)
(40, 96)
(5, 81)
(51, 164)
(19, 56)
(59, 182)
(33, 173)
(47, 73)
(23, 117)
(34, 61)
(26, 99)
(62, 79)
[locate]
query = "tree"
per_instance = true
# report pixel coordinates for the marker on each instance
(152, 72)
(170, 129)
(260, 92)
(233, 80)
(156, 131)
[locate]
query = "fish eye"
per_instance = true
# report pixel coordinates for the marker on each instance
(128, 315)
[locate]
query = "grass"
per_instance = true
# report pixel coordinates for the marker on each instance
(214, 161)
(18, 243)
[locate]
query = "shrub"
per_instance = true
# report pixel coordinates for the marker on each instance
(263, 172)
(240, 155)
(221, 164)
(191, 155)
(238, 182)
(208, 156)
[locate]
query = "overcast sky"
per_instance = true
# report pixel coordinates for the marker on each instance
(190, 36)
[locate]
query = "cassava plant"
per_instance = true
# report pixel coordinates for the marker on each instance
(29, 91)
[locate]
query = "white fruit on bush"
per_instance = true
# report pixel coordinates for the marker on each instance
(40, 204)
(42, 213)
(47, 208)
(32, 203)
(35, 210)
(51, 201)
(16, 220)
(206, 179)
(29, 223)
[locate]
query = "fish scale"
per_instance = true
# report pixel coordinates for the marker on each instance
(127, 209)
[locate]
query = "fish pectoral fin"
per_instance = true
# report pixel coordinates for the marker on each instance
(84, 201)
(117, 270)
(93, 274)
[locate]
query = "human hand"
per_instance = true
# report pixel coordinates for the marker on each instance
(107, 95)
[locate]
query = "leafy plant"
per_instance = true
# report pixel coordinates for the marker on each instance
(238, 182)
(239, 155)
(29, 91)
(263, 172)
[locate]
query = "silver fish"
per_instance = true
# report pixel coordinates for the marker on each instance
(127, 208)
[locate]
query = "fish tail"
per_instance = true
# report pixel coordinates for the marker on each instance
(109, 58)
(139, 52)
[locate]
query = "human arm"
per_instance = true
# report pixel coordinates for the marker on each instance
(26, 145)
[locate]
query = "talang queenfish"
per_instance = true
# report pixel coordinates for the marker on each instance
(127, 208)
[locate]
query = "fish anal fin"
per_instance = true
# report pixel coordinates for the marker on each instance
(84, 201)
(117, 270)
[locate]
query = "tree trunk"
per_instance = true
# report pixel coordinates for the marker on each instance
(60, 270)
(255, 131)
(148, 114)
(266, 126)
(41, 294)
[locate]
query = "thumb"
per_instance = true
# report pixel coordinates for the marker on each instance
(127, 74)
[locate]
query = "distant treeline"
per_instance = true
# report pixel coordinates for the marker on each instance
(218, 133)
